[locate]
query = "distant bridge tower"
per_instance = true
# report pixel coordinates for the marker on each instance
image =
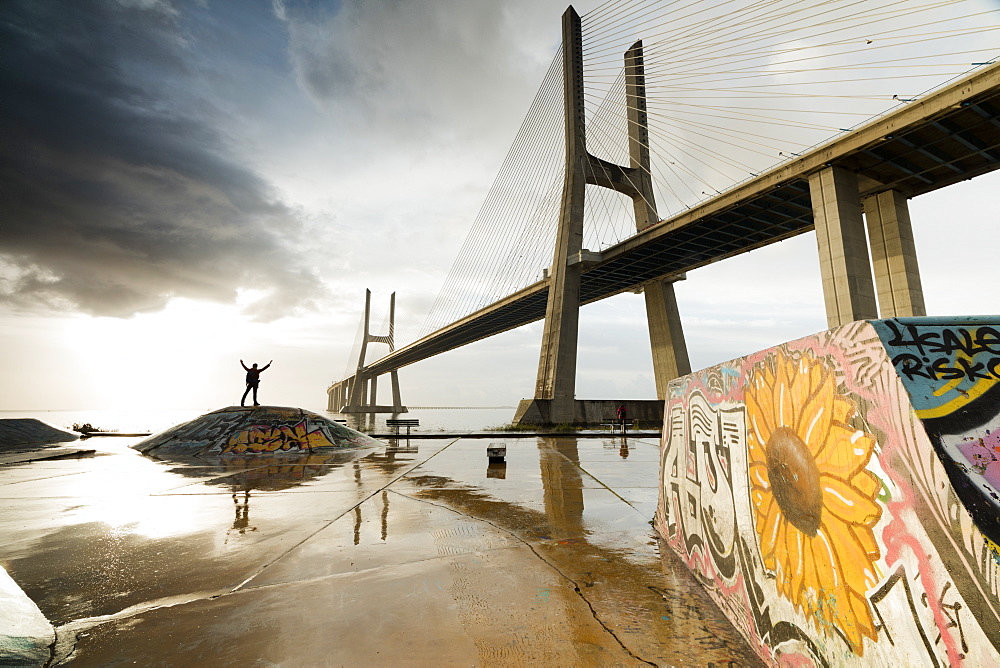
(555, 389)
(357, 394)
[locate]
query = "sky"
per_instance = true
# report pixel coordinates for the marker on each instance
(190, 184)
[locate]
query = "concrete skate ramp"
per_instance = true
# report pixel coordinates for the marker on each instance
(29, 431)
(255, 431)
(25, 633)
(838, 496)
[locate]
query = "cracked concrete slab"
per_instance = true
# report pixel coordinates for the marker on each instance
(427, 556)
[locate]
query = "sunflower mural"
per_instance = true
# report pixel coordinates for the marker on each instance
(813, 498)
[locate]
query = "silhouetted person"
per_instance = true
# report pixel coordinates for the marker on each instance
(622, 416)
(253, 381)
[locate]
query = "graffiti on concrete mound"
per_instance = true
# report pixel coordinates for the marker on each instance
(241, 431)
(804, 490)
(276, 437)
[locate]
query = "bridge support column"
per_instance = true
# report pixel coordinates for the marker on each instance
(360, 391)
(556, 383)
(666, 337)
(359, 394)
(397, 403)
(894, 255)
(554, 400)
(843, 251)
(336, 396)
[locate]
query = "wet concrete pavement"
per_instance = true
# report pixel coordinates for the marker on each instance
(421, 555)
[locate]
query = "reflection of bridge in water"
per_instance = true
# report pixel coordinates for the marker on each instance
(864, 176)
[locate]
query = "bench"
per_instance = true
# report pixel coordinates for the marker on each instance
(611, 425)
(614, 424)
(396, 424)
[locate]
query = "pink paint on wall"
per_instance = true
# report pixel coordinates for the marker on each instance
(799, 483)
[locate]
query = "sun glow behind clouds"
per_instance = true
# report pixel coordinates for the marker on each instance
(186, 357)
(161, 358)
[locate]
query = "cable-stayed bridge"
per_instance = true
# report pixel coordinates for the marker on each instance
(718, 120)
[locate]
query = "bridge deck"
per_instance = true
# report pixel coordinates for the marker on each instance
(949, 136)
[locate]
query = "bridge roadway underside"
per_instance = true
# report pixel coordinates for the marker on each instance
(949, 136)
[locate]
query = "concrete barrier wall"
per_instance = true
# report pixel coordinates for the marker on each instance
(592, 412)
(837, 495)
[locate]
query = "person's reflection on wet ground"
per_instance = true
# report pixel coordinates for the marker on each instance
(554, 564)
(270, 473)
(242, 521)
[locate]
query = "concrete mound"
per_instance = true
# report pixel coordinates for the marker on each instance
(255, 431)
(839, 495)
(29, 431)
(25, 633)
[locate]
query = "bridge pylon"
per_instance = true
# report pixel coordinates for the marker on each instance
(358, 393)
(555, 399)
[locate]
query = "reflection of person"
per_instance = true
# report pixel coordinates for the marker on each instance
(242, 521)
(253, 380)
(622, 414)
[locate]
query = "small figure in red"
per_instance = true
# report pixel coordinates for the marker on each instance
(622, 416)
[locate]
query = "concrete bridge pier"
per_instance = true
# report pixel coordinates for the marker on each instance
(894, 255)
(555, 387)
(843, 254)
(357, 400)
(334, 397)
(555, 401)
(358, 393)
(666, 337)
(848, 290)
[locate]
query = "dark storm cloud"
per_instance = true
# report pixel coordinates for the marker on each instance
(117, 191)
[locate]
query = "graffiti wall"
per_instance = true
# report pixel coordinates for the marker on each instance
(270, 430)
(837, 495)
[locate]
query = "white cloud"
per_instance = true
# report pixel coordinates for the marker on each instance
(277, 160)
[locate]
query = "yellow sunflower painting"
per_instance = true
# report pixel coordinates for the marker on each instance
(813, 499)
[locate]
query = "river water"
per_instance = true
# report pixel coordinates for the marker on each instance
(154, 420)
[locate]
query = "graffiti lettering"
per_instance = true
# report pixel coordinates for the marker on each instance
(947, 341)
(942, 368)
(895, 594)
(272, 438)
(951, 612)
